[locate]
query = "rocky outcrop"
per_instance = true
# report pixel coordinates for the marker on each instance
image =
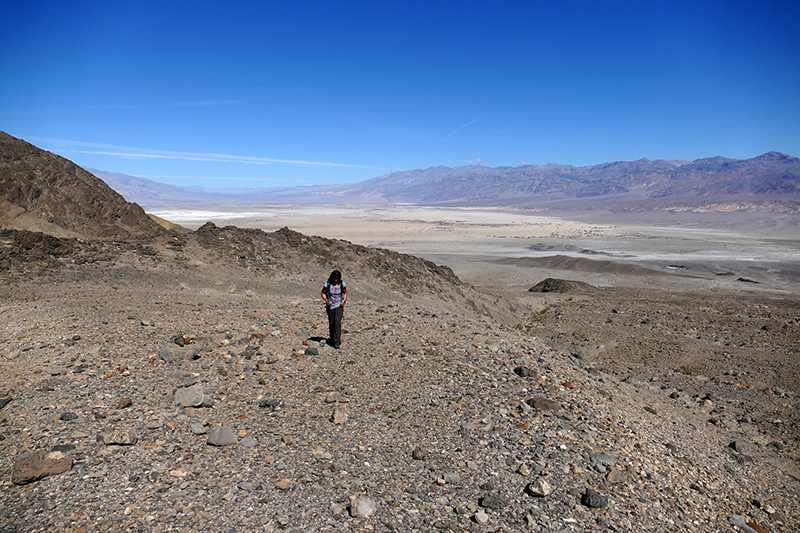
(41, 191)
(561, 286)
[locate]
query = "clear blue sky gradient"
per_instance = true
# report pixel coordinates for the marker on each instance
(267, 94)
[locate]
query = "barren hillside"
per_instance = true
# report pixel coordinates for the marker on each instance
(184, 384)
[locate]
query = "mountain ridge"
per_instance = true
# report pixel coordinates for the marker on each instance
(42, 191)
(755, 183)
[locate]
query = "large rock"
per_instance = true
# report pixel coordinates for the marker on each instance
(189, 396)
(362, 507)
(222, 436)
(38, 465)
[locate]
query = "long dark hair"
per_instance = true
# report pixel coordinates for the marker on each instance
(335, 278)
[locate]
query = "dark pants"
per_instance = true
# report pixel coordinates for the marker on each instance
(335, 324)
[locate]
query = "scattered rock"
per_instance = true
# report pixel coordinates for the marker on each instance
(494, 500)
(339, 416)
(38, 465)
(593, 499)
(539, 488)
(121, 437)
(189, 396)
(524, 372)
(249, 442)
(542, 404)
(124, 402)
(222, 436)
(272, 403)
(362, 507)
(419, 453)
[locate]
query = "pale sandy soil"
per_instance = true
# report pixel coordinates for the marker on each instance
(713, 250)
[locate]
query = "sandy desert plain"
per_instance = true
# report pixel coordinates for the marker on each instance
(700, 250)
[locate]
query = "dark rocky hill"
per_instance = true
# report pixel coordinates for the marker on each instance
(41, 191)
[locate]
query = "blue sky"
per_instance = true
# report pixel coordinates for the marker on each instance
(268, 94)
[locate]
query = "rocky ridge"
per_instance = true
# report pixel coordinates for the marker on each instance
(40, 191)
(186, 384)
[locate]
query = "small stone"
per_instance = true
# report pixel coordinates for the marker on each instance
(524, 372)
(198, 428)
(524, 470)
(68, 415)
(451, 477)
(362, 507)
(283, 484)
(245, 485)
(271, 403)
(539, 488)
(311, 351)
(492, 501)
(332, 397)
(542, 404)
(481, 518)
(221, 436)
(419, 453)
(4, 400)
(337, 510)
(594, 499)
(124, 402)
(179, 473)
(339, 416)
(121, 437)
(249, 442)
(736, 446)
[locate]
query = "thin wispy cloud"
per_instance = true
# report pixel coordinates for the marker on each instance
(127, 152)
(208, 103)
(468, 124)
(198, 178)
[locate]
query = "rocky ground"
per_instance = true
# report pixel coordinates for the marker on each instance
(735, 358)
(184, 384)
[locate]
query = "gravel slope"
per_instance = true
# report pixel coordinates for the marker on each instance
(435, 415)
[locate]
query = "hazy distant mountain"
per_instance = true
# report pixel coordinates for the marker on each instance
(152, 193)
(767, 177)
(40, 191)
(771, 180)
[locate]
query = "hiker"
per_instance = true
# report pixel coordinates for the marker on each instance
(334, 292)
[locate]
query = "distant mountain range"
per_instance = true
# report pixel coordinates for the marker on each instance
(768, 182)
(52, 188)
